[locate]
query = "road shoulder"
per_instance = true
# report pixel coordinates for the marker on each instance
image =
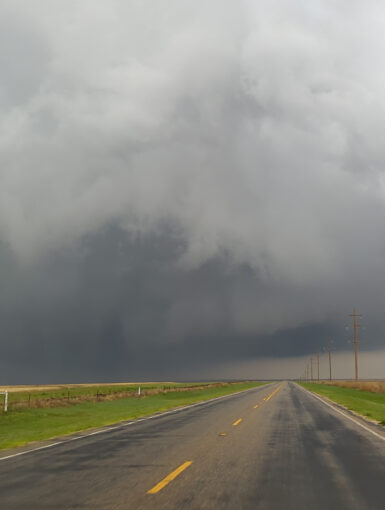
(368, 424)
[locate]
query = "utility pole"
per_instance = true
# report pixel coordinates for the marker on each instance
(311, 368)
(318, 366)
(330, 359)
(355, 329)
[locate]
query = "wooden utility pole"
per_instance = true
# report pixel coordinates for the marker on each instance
(355, 329)
(318, 366)
(330, 359)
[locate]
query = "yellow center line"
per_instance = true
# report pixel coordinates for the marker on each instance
(273, 393)
(223, 434)
(237, 422)
(266, 399)
(159, 486)
(255, 407)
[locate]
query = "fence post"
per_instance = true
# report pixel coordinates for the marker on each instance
(6, 401)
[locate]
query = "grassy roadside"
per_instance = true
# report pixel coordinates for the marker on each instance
(21, 426)
(366, 403)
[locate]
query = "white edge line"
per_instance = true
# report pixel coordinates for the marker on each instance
(34, 450)
(344, 414)
(126, 424)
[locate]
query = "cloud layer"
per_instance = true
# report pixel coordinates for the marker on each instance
(237, 146)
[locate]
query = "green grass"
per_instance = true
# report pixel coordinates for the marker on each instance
(365, 403)
(21, 426)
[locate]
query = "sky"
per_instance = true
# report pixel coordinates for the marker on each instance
(190, 189)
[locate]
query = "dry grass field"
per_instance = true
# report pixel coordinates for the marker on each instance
(372, 386)
(49, 387)
(70, 394)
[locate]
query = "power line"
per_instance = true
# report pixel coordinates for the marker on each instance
(330, 358)
(355, 315)
(318, 366)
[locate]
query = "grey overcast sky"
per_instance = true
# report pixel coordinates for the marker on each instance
(189, 188)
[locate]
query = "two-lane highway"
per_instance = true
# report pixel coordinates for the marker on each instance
(273, 447)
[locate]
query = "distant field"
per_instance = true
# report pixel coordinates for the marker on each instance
(70, 394)
(53, 387)
(22, 425)
(372, 386)
(366, 403)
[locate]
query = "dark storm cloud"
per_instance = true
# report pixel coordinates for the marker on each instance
(187, 183)
(119, 306)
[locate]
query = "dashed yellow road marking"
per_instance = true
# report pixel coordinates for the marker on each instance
(257, 405)
(237, 422)
(223, 434)
(159, 486)
(266, 399)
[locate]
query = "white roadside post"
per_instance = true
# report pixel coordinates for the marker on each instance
(5, 393)
(139, 391)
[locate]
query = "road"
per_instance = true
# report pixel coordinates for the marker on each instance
(273, 447)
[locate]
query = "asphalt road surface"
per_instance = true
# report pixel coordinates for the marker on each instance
(273, 447)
